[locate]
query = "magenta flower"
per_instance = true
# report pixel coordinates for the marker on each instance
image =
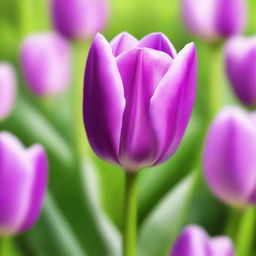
(7, 89)
(214, 19)
(79, 19)
(193, 241)
(138, 98)
(240, 59)
(23, 179)
(45, 62)
(229, 157)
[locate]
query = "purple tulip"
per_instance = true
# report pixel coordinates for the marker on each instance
(7, 89)
(240, 59)
(214, 19)
(45, 62)
(138, 98)
(193, 241)
(229, 157)
(79, 19)
(23, 179)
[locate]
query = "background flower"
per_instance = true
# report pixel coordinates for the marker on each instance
(214, 19)
(23, 179)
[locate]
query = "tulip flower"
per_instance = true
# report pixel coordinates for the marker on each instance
(193, 241)
(214, 19)
(240, 60)
(7, 89)
(45, 62)
(79, 19)
(138, 98)
(23, 179)
(229, 157)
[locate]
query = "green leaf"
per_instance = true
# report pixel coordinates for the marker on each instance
(29, 124)
(161, 226)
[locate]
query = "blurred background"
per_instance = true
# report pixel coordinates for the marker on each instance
(82, 214)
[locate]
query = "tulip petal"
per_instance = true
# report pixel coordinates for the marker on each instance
(79, 19)
(192, 241)
(123, 42)
(15, 183)
(240, 65)
(158, 41)
(103, 100)
(199, 18)
(141, 70)
(230, 17)
(37, 157)
(172, 102)
(221, 246)
(45, 62)
(229, 157)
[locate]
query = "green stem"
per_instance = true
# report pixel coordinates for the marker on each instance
(245, 233)
(214, 89)
(234, 222)
(241, 229)
(130, 216)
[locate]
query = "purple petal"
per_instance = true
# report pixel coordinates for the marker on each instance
(240, 57)
(141, 70)
(7, 89)
(45, 62)
(172, 102)
(103, 100)
(229, 157)
(38, 159)
(79, 19)
(230, 17)
(123, 42)
(158, 41)
(16, 177)
(200, 18)
(221, 246)
(193, 241)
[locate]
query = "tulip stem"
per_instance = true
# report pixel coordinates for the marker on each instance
(214, 92)
(234, 222)
(130, 215)
(245, 232)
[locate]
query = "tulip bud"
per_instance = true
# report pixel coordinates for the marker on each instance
(214, 19)
(193, 241)
(45, 62)
(79, 19)
(23, 179)
(240, 60)
(7, 89)
(138, 98)
(229, 157)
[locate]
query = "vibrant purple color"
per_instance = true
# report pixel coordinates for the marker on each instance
(214, 19)
(193, 241)
(229, 157)
(79, 19)
(240, 60)
(46, 63)
(23, 178)
(138, 98)
(7, 89)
